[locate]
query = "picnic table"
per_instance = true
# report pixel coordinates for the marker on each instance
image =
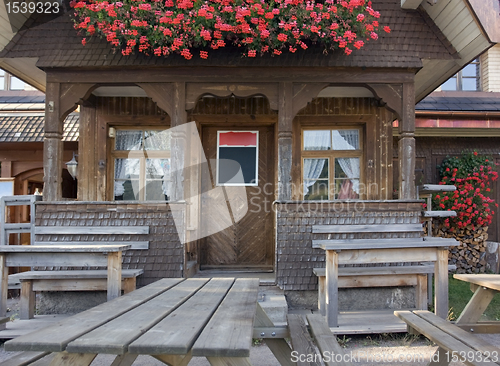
(484, 286)
(172, 320)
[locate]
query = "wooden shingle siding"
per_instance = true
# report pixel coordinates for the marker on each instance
(295, 256)
(165, 256)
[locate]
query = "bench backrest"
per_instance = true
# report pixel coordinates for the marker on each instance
(91, 235)
(384, 228)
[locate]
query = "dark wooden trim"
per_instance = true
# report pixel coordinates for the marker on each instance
(71, 95)
(305, 93)
(390, 96)
(285, 119)
(233, 75)
(161, 94)
(337, 119)
(407, 120)
(195, 90)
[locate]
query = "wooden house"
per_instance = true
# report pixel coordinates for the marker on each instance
(281, 101)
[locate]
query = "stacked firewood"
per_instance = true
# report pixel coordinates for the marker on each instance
(470, 255)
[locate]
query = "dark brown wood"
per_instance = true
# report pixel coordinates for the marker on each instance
(250, 240)
(407, 116)
(304, 93)
(389, 96)
(195, 90)
(285, 118)
(71, 95)
(86, 154)
(234, 75)
(162, 94)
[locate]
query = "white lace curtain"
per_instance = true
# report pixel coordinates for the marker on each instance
(126, 168)
(314, 140)
(348, 140)
(340, 140)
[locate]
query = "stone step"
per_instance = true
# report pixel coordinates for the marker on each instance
(273, 302)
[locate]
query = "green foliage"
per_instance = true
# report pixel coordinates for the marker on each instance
(459, 296)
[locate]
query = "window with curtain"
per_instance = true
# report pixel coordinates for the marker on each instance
(141, 165)
(331, 163)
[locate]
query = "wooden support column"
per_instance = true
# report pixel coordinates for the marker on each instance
(406, 143)
(285, 118)
(179, 117)
(87, 167)
(52, 145)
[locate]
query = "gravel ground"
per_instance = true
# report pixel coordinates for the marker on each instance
(375, 349)
(383, 350)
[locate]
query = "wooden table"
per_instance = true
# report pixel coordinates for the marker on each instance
(369, 251)
(171, 320)
(109, 256)
(484, 286)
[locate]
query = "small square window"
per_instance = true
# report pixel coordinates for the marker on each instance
(237, 158)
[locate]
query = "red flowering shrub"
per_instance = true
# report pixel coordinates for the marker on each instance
(472, 174)
(161, 27)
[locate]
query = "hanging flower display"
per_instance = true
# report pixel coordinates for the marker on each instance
(162, 27)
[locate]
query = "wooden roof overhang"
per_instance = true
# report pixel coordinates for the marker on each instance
(466, 27)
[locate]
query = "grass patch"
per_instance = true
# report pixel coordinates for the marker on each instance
(459, 296)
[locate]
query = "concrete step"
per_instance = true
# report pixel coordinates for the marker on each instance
(273, 302)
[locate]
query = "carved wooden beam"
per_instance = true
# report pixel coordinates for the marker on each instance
(70, 95)
(389, 95)
(161, 94)
(195, 90)
(304, 93)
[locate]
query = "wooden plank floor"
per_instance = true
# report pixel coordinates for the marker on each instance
(20, 327)
(365, 322)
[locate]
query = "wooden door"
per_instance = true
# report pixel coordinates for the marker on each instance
(250, 241)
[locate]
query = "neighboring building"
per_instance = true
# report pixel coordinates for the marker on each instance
(463, 114)
(279, 103)
(22, 115)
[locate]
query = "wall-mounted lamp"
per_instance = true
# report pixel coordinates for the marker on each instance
(72, 167)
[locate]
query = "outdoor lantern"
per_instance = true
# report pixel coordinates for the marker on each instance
(72, 167)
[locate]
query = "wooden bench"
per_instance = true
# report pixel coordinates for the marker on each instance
(382, 244)
(27, 358)
(304, 350)
(387, 276)
(455, 344)
(75, 280)
(79, 280)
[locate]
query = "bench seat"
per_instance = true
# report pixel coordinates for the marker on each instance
(452, 340)
(78, 280)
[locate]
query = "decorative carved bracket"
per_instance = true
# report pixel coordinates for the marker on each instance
(195, 90)
(390, 96)
(161, 94)
(304, 94)
(71, 95)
